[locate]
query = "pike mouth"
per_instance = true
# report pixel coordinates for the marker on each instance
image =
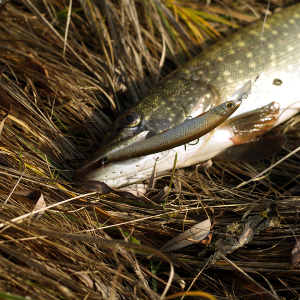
(98, 160)
(97, 165)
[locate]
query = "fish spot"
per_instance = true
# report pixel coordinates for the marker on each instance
(231, 51)
(298, 36)
(271, 46)
(226, 73)
(277, 82)
(192, 88)
(273, 56)
(237, 62)
(172, 115)
(274, 32)
(241, 71)
(292, 21)
(163, 102)
(273, 64)
(229, 80)
(252, 65)
(296, 15)
(249, 54)
(290, 67)
(290, 48)
(241, 43)
(285, 26)
(170, 119)
(220, 58)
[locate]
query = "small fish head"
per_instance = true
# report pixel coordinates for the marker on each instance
(228, 107)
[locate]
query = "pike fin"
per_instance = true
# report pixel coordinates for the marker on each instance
(255, 150)
(251, 125)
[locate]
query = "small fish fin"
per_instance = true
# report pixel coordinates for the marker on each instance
(249, 126)
(254, 151)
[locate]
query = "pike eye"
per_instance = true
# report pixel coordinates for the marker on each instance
(229, 104)
(130, 119)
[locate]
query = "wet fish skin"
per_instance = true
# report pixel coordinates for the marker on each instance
(209, 79)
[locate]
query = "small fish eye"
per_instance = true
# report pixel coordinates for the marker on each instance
(130, 119)
(229, 104)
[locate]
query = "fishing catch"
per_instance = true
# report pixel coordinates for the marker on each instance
(204, 82)
(183, 133)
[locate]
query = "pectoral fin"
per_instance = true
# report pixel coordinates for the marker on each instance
(246, 130)
(255, 150)
(249, 126)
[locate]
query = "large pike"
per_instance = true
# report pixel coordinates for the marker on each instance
(206, 81)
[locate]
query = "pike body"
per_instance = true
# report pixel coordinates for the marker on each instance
(206, 81)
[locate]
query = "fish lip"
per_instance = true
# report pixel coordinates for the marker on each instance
(237, 103)
(80, 173)
(97, 160)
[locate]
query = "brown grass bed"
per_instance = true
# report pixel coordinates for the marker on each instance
(64, 75)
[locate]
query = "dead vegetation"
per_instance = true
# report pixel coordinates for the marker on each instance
(66, 69)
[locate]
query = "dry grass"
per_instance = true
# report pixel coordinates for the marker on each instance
(65, 72)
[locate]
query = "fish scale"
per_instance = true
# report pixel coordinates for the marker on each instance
(206, 81)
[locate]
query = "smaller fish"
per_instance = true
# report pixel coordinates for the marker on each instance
(186, 132)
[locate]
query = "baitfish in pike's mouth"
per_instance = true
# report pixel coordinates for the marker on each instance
(206, 81)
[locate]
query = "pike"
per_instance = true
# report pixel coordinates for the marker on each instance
(202, 83)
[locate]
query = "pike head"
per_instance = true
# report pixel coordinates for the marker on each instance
(170, 103)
